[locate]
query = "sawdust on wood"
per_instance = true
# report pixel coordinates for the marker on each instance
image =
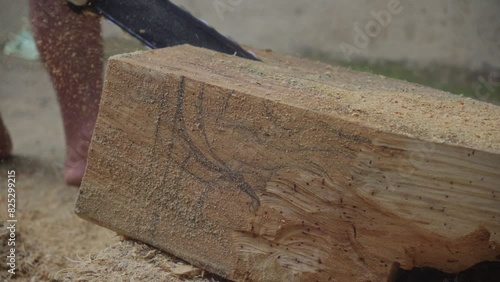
(383, 103)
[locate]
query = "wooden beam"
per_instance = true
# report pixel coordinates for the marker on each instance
(292, 170)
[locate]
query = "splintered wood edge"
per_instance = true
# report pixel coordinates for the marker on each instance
(400, 202)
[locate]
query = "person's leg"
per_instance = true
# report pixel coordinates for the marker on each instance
(5, 144)
(71, 48)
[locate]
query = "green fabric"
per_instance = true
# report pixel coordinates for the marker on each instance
(22, 46)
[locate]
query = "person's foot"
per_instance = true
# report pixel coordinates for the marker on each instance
(5, 143)
(76, 153)
(74, 171)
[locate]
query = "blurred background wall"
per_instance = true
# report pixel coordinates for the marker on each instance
(455, 32)
(463, 34)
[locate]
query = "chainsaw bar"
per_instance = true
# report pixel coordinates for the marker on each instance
(160, 23)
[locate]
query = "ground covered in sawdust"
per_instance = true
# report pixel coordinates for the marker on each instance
(135, 262)
(53, 244)
(49, 236)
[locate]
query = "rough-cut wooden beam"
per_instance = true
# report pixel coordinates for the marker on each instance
(292, 170)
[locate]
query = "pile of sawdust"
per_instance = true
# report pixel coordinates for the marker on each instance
(28, 260)
(132, 261)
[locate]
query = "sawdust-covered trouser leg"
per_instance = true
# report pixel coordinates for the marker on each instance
(71, 48)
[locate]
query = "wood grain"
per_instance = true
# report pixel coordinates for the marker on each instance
(290, 170)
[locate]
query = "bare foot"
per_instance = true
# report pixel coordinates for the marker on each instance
(70, 45)
(76, 154)
(5, 143)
